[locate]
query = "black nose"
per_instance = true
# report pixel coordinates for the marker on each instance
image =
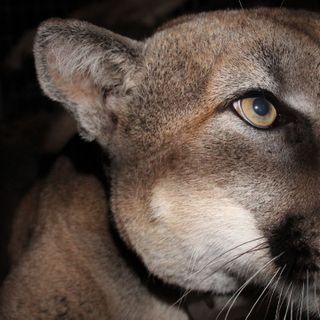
(289, 241)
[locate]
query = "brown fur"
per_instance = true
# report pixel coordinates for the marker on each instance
(189, 179)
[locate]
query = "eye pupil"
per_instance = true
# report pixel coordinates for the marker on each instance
(261, 106)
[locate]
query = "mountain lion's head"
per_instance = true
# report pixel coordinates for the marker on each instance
(213, 128)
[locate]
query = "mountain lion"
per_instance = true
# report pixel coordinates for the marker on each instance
(212, 131)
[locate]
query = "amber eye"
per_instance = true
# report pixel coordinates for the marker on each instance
(257, 111)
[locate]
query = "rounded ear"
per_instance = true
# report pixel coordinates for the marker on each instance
(86, 68)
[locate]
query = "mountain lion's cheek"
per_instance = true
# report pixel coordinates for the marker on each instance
(209, 233)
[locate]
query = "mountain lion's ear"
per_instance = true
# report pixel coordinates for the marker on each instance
(86, 68)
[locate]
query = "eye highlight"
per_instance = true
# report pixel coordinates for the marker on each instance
(257, 111)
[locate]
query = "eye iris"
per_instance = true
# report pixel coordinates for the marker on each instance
(257, 111)
(261, 106)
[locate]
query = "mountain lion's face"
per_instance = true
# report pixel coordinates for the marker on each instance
(214, 129)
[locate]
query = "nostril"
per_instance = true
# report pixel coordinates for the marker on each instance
(288, 241)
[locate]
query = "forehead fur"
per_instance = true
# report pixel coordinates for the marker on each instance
(196, 63)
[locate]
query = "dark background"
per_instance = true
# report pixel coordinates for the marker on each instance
(26, 115)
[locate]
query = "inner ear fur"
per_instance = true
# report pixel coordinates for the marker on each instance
(79, 65)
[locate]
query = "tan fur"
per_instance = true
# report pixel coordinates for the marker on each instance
(200, 196)
(72, 258)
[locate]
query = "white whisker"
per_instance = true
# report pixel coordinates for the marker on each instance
(273, 291)
(187, 291)
(260, 296)
(301, 304)
(278, 304)
(254, 248)
(192, 260)
(315, 295)
(284, 297)
(289, 300)
(215, 260)
(238, 292)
